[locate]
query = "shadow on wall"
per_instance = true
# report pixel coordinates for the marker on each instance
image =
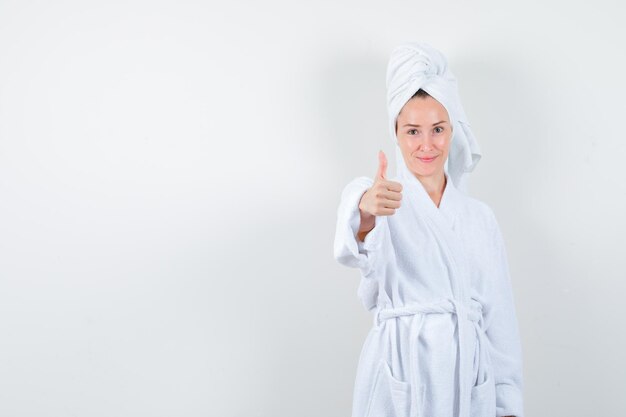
(523, 122)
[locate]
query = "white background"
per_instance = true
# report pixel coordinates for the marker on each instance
(170, 174)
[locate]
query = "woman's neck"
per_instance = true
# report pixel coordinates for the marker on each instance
(434, 186)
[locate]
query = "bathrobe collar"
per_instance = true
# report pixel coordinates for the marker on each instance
(449, 204)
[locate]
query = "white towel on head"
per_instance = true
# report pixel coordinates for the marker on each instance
(415, 65)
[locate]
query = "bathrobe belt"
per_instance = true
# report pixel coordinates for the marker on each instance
(418, 310)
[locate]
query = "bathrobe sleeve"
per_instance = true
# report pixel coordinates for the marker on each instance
(502, 331)
(348, 249)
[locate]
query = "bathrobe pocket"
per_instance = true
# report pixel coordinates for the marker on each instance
(389, 397)
(484, 398)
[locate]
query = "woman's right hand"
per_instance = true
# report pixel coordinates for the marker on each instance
(382, 199)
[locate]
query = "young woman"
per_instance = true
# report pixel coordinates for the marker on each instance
(434, 272)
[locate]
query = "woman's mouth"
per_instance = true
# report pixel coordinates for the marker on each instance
(427, 160)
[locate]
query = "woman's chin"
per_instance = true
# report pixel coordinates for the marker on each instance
(426, 171)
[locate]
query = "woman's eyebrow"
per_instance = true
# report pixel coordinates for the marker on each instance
(434, 124)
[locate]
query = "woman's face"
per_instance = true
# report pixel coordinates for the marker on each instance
(424, 134)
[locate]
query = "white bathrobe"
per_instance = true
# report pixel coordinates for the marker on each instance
(445, 339)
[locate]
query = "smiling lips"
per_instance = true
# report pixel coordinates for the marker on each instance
(427, 160)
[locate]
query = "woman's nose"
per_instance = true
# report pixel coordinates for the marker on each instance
(427, 142)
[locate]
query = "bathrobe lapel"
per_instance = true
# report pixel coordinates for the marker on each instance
(441, 220)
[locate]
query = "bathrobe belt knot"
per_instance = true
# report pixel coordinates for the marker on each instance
(445, 306)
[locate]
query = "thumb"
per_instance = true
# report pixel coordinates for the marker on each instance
(382, 165)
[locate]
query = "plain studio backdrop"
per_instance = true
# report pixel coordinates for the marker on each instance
(170, 174)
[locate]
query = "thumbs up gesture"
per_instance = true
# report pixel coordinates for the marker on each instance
(382, 199)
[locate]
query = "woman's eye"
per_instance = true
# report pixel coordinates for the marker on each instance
(412, 130)
(439, 127)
